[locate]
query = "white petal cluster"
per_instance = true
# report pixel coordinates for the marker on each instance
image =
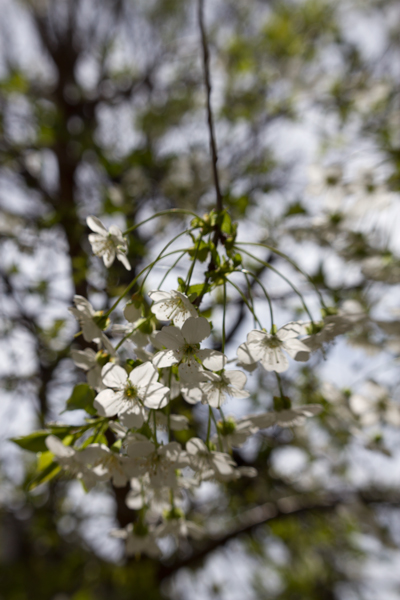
(182, 348)
(267, 348)
(172, 306)
(127, 395)
(108, 244)
(135, 398)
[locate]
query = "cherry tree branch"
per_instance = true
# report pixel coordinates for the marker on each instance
(210, 120)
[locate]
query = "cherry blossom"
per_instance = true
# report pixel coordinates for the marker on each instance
(268, 348)
(109, 244)
(285, 418)
(88, 361)
(183, 348)
(91, 322)
(127, 395)
(209, 465)
(215, 390)
(138, 541)
(172, 306)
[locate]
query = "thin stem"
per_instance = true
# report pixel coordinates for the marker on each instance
(210, 120)
(294, 288)
(132, 283)
(221, 446)
(170, 269)
(223, 321)
(258, 280)
(187, 231)
(291, 261)
(245, 301)
(171, 211)
(169, 407)
(250, 296)
(155, 428)
(279, 384)
(189, 277)
(209, 425)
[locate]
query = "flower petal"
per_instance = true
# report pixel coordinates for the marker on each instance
(293, 346)
(291, 330)
(108, 402)
(164, 358)
(274, 360)
(121, 256)
(143, 375)
(191, 372)
(171, 337)
(114, 376)
(212, 359)
(195, 330)
(96, 225)
(156, 396)
(236, 378)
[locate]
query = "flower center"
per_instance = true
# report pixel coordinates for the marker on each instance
(272, 342)
(131, 392)
(105, 245)
(190, 349)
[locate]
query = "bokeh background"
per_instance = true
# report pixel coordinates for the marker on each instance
(103, 112)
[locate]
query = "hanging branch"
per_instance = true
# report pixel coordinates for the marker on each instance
(210, 120)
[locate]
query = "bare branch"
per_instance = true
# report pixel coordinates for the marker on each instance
(210, 120)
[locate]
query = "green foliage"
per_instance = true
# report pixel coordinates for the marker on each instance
(82, 398)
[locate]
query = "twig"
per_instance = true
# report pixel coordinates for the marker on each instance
(210, 120)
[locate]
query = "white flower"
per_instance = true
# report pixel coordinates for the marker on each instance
(215, 389)
(326, 182)
(183, 348)
(159, 463)
(87, 360)
(350, 314)
(109, 244)
(285, 418)
(233, 434)
(268, 348)
(173, 306)
(176, 422)
(91, 322)
(382, 268)
(138, 542)
(157, 500)
(375, 405)
(179, 527)
(210, 465)
(106, 464)
(127, 395)
(70, 459)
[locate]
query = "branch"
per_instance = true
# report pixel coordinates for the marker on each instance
(284, 507)
(210, 120)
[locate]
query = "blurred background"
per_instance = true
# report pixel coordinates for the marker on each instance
(103, 113)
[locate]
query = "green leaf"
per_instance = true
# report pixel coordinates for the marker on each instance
(200, 251)
(44, 459)
(82, 398)
(199, 289)
(34, 442)
(44, 476)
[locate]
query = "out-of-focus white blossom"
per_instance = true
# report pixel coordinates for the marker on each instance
(216, 388)
(108, 244)
(267, 348)
(91, 322)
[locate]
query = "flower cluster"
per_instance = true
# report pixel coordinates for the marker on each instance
(134, 403)
(168, 355)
